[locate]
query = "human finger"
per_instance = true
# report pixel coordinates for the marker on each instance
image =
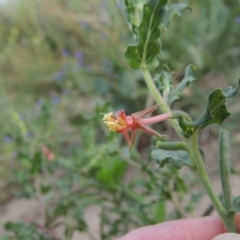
(187, 229)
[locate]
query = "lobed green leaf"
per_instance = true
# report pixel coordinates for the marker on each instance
(146, 18)
(164, 83)
(142, 54)
(186, 82)
(177, 158)
(215, 112)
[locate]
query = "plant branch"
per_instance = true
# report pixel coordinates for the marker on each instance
(202, 174)
(159, 99)
(178, 207)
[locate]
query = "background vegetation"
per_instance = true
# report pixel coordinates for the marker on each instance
(61, 67)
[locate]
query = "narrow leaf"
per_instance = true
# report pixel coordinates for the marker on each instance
(186, 81)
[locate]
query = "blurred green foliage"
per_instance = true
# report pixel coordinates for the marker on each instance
(61, 67)
(207, 37)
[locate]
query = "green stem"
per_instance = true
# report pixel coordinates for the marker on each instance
(159, 99)
(37, 185)
(175, 202)
(210, 207)
(202, 174)
(194, 153)
(177, 114)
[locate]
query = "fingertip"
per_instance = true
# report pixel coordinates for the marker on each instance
(237, 220)
(188, 229)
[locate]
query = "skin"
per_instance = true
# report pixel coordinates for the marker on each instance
(205, 228)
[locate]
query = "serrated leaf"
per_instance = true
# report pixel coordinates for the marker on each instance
(171, 11)
(215, 112)
(142, 54)
(177, 158)
(186, 81)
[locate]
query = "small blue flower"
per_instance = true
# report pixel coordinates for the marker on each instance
(237, 19)
(40, 102)
(103, 19)
(80, 64)
(88, 68)
(54, 98)
(85, 24)
(7, 138)
(30, 134)
(119, 5)
(59, 76)
(65, 53)
(104, 5)
(104, 36)
(78, 55)
(66, 91)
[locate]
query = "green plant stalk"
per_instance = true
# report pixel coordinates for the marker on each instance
(202, 174)
(225, 167)
(194, 152)
(37, 185)
(159, 99)
(176, 204)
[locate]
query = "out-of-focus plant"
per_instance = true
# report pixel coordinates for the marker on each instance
(203, 37)
(67, 182)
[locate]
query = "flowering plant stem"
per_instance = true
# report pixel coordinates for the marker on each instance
(159, 99)
(196, 158)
